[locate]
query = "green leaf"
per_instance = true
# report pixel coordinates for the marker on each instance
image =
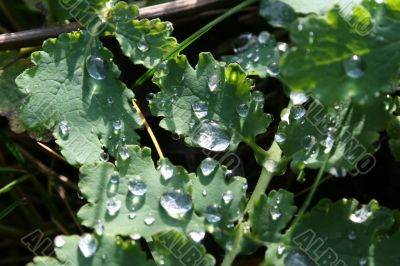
(216, 195)
(109, 251)
(10, 96)
(320, 7)
(277, 13)
(104, 183)
(211, 106)
(175, 249)
(74, 92)
(144, 41)
(271, 215)
(393, 131)
(341, 233)
(338, 59)
(259, 56)
(307, 137)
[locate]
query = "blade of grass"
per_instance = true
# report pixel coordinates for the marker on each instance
(13, 184)
(10, 208)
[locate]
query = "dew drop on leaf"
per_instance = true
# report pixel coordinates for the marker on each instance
(197, 236)
(227, 197)
(211, 136)
(298, 259)
(354, 67)
(213, 83)
(352, 235)
(207, 166)
(104, 157)
(149, 220)
(96, 67)
(59, 241)
(363, 261)
(263, 37)
(110, 100)
(361, 215)
(99, 227)
(298, 98)
(200, 109)
(258, 97)
(273, 69)
(283, 47)
(167, 171)
(204, 193)
(275, 213)
(271, 166)
(308, 141)
(230, 225)
(132, 215)
(87, 245)
(64, 129)
(124, 153)
(142, 44)
(243, 42)
(280, 137)
(135, 236)
(176, 203)
(137, 187)
(212, 214)
(242, 110)
(113, 205)
(281, 249)
(117, 124)
(297, 112)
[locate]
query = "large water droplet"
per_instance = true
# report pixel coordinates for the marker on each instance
(271, 165)
(275, 213)
(263, 37)
(273, 69)
(124, 153)
(283, 47)
(137, 187)
(176, 203)
(243, 42)
(113, 205)
(142, 45)
(197, 236)
(64, 129)
(211, 136)
(207, 166)
(297, 112)
(167, 171)
(280, 137)
(87, 245)
(227, 197)
(242, 110)
(96, 67)
(212, 214)
(361, 215)
(213, 83)
(354, 67)
(298, 98)
(99, 227)
(200, 109)
(59, 241)
(149, 220)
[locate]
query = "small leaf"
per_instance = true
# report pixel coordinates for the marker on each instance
(175, 249)
(277, 13)
(320, 7)
(211, 106)
(144, 41)
(74, 92)
(133, 198)
(105, 250)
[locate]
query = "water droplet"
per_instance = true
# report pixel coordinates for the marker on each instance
(363, 261)
(354, 67)
(300, 26)
(311, 37)
(297, 112)
(298, 98)
(212, 214)
(281, 249)
(142, 44)
(361, 215)
(176, 203)
(104, 157)
(298, 259)
(309, 141)
(150, 97)
(243, 42)
(132, 215)
(328, 142)
(280, 137)
(59, 241)
(283, 47)
(87, 245)
(273, 69)
(230, 225)
(256, 59)
(64, 129)
(263, 37)
(211, 136)
(149, 220)
(207, 166)
(229, 173)
(227, 197)
(275, 213)
(124, 153)
(110, 100)
(197, 236)
(167, 171)
(258, 97)
(96, 67)
(245, 187)
(352, 235)
(271, 166)
(204, 193)
(113, 205)
(200, 109)
(242, 110)
(137, 187)
(117, 124)
(213, 83)
(99, 227)
(135, 236)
